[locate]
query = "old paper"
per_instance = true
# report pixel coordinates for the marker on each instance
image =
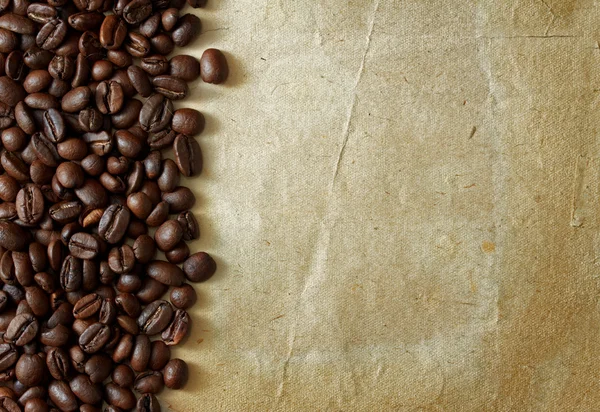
(402, 198)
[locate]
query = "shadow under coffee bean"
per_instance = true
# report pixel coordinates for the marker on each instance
(87, 108)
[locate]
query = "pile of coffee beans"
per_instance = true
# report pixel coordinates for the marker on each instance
(90, 201)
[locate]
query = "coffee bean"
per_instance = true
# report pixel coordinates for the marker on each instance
(51, 34)
(165, 272)
(30, 369)
(109, 97)
(112, 32)
(21, 330)
(183, 297)
(121, 259)
(175, 374)
(180, 199)
(188, 155)
(76, 99)
(156, 113)
(83, 246)
(141, 353)
(61, 395)
(70, 175)
(17, 23)
(149, 382)
(128, 115)
(177, 329)
(41, 13)
(187, 29)
(94, 338)
(85, 20)
(168, 235)
(86, 390)
(213, 66)
(171, 87)
(12, 237)
(189, 224)
(155, 317)
(189, 122)
(137, 11)
(45, 150)
(71, 274)
(8, 356)
(199, 267)
(122, 398)
(58, 363)
(155, 65)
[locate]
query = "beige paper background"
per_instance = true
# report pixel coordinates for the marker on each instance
(402, 197)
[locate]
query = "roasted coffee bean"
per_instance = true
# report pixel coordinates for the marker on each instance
(188, 155)
(84, 20)
(36, 405)
(213, 66)
(113, 32)
(87, 306)
(14, 66)
(178, 254)
(12, 237)
(51, 34)
(90, 47)
(37, 300)
(7, 115)
(175, 374)
(128, 115)
(30, 369)
(42, 101)
(183, 297)
(141, 353)
(17, 23)
(87, 391)
(82, 70)
(7, 404)
(171, 87)
(149, 382)
(83, 246)
(144, 249)
(185, 67)
(8, 356)
(128, 144)
(30, 204)
(41, 13)
(102, 70)
(37, 81)
(156, 113)
(124, 348)
(71, 274)
(92, 194)
(137, 11)
(137, 45)
(189, 122)
(180, 199)
(162, 43)
(9, 188)
(58, 363)
(21, 330)
(45, 150)
(62, 68)
(114, 222)
(61, 395)
(123, 376)
(72, 149)
(109, 97)
(159, 214)
(76, 100)
(94, 338)
(155, 65)
(122, 398)
(177, 329)
(65, 211)
(155, 317)
(121, 259)
(189, 224)
(168, 235)
(169, 19)
(187, 29)
(199, 267)
(139, 80)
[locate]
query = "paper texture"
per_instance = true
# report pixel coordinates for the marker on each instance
(402, 198)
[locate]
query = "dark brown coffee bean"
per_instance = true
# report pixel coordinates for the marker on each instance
(51, 34)
(128, 115)
(149, 382)
(92, 194)
(177, 329)
(188, 155)
(148, 403)
(69, 46)
(82, 71)
(187, 29)
(112, 32)
(61, 395)
(199, 267)
(171, 87)
(114, 222)
(113, 184)
(155, 65)
(168, 235)
(144, 249)
(139, 80)
(45, 150)
(175, 374)
(123, 376)
(213, 66)
(83, 246)
(183, 297)
(62, 68)
(84, 20)
(58, 363)
(128, 144)
(179, 253)
(137, 45)
(65, 211)
(8, 356)
(155, 317)
(189, 122)
(102, 70)
(71, 276)
(30, 369)
(185, 67)
(139, 204)
(109, 97)
(41, 13)
(121, 259)
(123, 349)
(87, 306)
(37, 300)
(137, 11)
(169, 19)
(94, 338)
(30, 204)
(159, 215)
(36, 405)
(86, 390)
(14, 66)
(122, 398)
(9, 188)
(90, 47)
(21, 330)
(7, 115)
(37, 81)
(70, 175)
(162, 43)
(11, 91)
(12, 237)
(151, 290)
(98, 368)
(76, 100)
(42, 101)
(156, 113)
(141, 353)
(189, 224)
(150, 26)
(24, 118)
(72, 149)
(17, 24)
(179, 200)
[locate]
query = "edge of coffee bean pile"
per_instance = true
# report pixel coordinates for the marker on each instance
(94, 264)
